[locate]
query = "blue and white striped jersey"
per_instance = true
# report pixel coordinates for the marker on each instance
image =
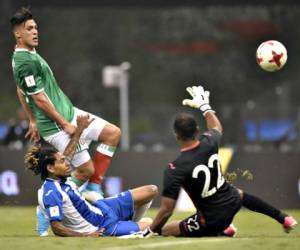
(61, 201)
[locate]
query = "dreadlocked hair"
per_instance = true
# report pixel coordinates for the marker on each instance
(38, 158)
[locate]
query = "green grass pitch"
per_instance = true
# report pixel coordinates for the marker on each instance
(255, 231)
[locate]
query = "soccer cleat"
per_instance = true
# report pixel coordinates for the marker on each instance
(289, 224)
(43, 223)
(230, 231)
(146, 233)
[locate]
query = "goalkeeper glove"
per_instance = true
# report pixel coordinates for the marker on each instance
(200, 99)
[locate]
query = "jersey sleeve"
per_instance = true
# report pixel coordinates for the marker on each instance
(212, 137)
(53, 203)
(30, 78)
(172, 182)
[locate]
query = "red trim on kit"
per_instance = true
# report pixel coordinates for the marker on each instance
(196, 144)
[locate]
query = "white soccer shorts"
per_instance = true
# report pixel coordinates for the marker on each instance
(61, 139)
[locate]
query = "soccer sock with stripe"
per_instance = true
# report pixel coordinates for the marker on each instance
(257, 205)
(141, 211)
(102, 160)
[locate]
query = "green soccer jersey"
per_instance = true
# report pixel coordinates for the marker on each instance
(33, 75)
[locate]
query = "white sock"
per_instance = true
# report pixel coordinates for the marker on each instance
(140, 212)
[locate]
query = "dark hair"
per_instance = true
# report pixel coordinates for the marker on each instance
(38, 158)
(185, 126)
(21, 16)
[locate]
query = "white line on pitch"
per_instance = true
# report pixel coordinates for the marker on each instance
(161, 244)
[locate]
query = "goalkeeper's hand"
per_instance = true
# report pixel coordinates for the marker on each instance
(200, 99)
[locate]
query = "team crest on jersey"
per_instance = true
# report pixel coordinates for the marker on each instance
(171, 166)
(207, 134)
(30, 82)
(54, 211)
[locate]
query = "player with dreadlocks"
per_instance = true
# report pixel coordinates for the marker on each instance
(68, 212)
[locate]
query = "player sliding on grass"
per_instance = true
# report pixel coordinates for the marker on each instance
(197, 170)
(69, 213)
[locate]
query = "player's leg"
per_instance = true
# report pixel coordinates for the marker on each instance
(121, 209)
(196, 226)
(82, 173)
(171, 229)
(193, 226)
(109, 137)
(132, 204)
(258, 205)
(142, 198)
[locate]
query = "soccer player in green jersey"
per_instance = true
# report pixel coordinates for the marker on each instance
(51, 113)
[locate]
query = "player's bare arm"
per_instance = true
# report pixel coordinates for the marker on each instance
(165, 211)
(212, 122)
(42, 102)
(82, 123)
(32, 132)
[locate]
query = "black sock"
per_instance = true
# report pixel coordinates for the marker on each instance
(257, 205)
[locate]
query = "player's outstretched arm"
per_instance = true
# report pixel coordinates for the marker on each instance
(201, 101)
(164, 213)
(212, 122)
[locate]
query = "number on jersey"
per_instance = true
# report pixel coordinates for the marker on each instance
(206, 192)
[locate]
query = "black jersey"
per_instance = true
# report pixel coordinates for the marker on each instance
(197, 170)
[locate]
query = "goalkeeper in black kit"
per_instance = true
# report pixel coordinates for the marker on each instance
(197, 170)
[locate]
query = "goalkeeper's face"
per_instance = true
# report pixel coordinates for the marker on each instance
(60, 169)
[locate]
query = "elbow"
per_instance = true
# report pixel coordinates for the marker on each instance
(57, 232)
(221, 130)
(57, 229)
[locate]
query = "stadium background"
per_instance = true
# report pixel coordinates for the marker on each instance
(170, 45)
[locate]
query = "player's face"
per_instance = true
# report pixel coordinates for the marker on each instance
(27, 35)
(60, 169)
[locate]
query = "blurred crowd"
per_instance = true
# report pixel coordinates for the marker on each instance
(12, 133)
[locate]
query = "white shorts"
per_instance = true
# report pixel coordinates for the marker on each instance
(61, 139)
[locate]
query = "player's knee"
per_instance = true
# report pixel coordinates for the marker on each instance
(171, 229)
(152, 189)
(111, 136)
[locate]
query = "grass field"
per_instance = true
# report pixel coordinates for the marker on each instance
(255, 231)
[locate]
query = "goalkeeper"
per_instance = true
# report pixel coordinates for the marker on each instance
(197, 170)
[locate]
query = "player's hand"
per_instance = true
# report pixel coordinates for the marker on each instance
(69, 128)
(83, 121)
(147, 233)
(98, 233)
(200, 99)
(32, 133)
